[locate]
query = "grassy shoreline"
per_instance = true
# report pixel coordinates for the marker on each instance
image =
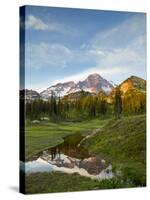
(121, 142)
(47, 134)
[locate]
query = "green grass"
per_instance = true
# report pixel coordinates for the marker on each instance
(61, 182)
(47, 134)
(123, 143)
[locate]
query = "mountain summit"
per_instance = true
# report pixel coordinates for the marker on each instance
(133, 82)
(93, 84)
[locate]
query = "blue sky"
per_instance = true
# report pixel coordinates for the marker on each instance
(69, 44)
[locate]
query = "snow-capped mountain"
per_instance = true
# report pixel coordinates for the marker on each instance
(60, 89)
(93, 84)
(31, 95)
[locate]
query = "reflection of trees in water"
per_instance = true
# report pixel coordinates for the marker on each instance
(55, 151)
(69, 147)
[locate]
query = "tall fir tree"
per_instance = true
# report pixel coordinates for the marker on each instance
(118, 103)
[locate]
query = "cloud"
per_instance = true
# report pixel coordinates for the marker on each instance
(122, 47)
(43, 55)
(84, 74)
(36, 23)
(115, 53)
(39, 87)
(133, 55)
(105, 73)
(46, 55)
(120, 35)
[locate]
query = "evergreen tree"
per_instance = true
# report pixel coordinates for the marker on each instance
(118, 103)
(103, 106)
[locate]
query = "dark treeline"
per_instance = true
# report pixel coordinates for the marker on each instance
(86, 106)
(61, 108)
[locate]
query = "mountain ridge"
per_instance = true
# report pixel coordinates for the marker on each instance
(93, 84)
(133, 82)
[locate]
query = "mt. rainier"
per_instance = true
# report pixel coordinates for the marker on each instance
(93, 84)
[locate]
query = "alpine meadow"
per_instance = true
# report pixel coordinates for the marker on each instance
(83, 99)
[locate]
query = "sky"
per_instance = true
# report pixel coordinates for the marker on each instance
(64, 44)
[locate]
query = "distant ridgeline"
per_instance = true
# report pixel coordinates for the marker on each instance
(93, 97)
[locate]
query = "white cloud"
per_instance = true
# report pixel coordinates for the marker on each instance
(43, 55)
(122, 47)
(118, 52)
(133, 56)
(46, 55)
(39, 87)
(36, 23)
(120, 35)
(115, 53)
(96, 52)
(105, 73)
(84, 74)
